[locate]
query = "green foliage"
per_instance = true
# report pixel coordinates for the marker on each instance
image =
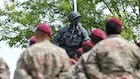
(21, 18)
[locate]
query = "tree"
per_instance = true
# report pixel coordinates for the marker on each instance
(21, 18)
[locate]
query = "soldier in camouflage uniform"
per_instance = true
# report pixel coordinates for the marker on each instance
(112, 58)
(71, 37)
(42, 60)
(96, 36)
(87, 45)
(4, 70)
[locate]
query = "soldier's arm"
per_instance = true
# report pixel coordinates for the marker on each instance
(4, 70)
(21, 71)
(87, 68)
(137, 71)
(85, 34)
(66, 72)
(57, 38)
(79, 70)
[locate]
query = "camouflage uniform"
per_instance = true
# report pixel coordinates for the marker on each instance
(111, 58)
(4, 70)
(42, 60)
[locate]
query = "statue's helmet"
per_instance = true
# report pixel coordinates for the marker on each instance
(72, 15)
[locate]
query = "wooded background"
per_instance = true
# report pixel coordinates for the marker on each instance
(18, 18)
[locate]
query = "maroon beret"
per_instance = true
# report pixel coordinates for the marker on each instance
(80, 50)
(73, 61)
(45, 28)
(117, 21)
(99, 33)
(87, 43)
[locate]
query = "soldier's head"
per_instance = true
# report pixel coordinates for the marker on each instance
(97, 35)
(74, 17)
(87, 45)
(138, 43)
(33, 40)
(43, 32)
(113, 26)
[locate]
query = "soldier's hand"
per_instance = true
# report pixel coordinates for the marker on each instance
(125, 77)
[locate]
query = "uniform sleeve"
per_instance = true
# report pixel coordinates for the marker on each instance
(66, 72)
(57, 38)
(21, 71)
(4, 70)
(86, 36)
(84, 33)
(137, 55)
(79, 72)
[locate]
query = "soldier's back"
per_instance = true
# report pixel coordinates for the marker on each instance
(45, 60)
(116, 56)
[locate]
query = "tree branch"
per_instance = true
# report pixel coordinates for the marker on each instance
(115, 8)
(125, 13)
(132, 9)
(108, 7)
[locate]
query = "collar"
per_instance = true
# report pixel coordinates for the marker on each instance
(46, 40)
(114, 35)
(71, 28)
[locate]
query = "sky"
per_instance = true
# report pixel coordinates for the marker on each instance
(10, 55)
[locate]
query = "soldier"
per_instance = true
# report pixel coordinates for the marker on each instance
(96, 36)
(112, 58)
(87, 45)
(4, 70)
(42, 60)
(71, 37)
